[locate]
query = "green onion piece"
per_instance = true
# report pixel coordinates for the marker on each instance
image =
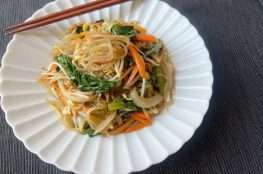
(116, 105)
(85, 27)
(122, 30)
(122, 105)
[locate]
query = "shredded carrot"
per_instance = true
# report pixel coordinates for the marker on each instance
(141, 120)
(122, 128)
(147, 116)
(132, 76)
(134, 127)
(145, 38)
(138, 61)
(133, 81)
(126, 73)
(141, 117)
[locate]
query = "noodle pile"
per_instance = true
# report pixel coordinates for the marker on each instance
(108, 78)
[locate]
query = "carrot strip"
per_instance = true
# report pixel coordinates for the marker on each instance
(133, 81)
(145, 38)
(126, 73)
(122, 128)
(138, 61)
(141, 120)
(147, 116)
(136, 126)
(132, 76)
(141, 117)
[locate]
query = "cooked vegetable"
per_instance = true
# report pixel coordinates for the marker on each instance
(122, 128)
(132, 76)
(117, 105)
(158, 79)
(134, 127)
(84, 82)
(154, 48)
(143, 88)
(141, 117)
(123, 30)
(84, 128)
(145, 38)
(168, 71)
(65, 119)
(105, 123)
(122, 105)
(138, 61)
(145, 102)
(108, 78)
(88, 131)
(85, 27)
(75, 97)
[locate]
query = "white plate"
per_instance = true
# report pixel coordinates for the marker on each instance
(35, 124)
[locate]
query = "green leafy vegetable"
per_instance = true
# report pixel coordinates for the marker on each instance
(122, 30)
(122, 105)
(158, 79)
(83, 81)
(116, 105)
(130, 106)
(87, 130)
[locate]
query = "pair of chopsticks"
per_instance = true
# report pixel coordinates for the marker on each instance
(58, 16)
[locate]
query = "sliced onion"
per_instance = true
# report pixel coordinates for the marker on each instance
(168, 69)
(105, 123)
(86, 114)
(65, 119)
(96, 122)
(145, 102)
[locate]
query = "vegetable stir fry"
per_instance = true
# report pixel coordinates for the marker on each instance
(108, 78)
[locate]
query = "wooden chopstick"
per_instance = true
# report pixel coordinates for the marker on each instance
(54, 17)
